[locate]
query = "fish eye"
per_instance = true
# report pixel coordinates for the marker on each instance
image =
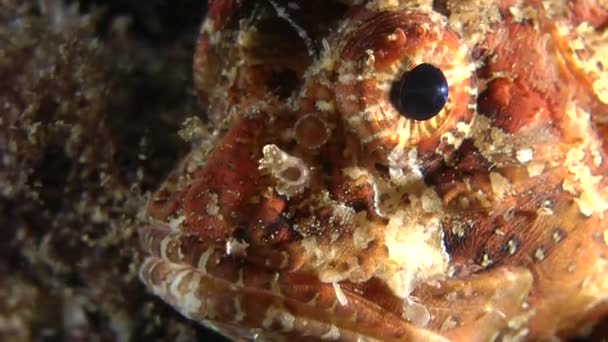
(405, 82)
(420, 93)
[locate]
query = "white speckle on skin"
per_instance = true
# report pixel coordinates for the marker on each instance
(275, 287)
(512, 247)
(581, 182)
(186, 294)
(240, 314)
(600, 87)
(524, 155)
(431, 203)
(539, 254)
(278, 163)
(212, 208)
(416, 253)
(332, 334)
(448, 324)
(536, 168)
(324, 106)
(500, 185)
(404, 168)
(285, 319)
(236, 247)
(416, 313)
(203, 259)
(340, 294)
(486, 260)
(164, 243)
(175, 222)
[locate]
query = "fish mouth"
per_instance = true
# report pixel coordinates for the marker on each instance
(218, 289)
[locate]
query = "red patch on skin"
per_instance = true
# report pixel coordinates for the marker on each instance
(220, 11)
(230, 175)
(589, 11)
(512, 105)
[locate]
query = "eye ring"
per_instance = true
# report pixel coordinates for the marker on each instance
(390, 45)
(420, 93)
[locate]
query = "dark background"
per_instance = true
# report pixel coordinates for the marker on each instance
(92, 96)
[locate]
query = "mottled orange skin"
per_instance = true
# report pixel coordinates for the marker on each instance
(510, 161)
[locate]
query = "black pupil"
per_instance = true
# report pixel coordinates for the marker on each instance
(421, 93)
